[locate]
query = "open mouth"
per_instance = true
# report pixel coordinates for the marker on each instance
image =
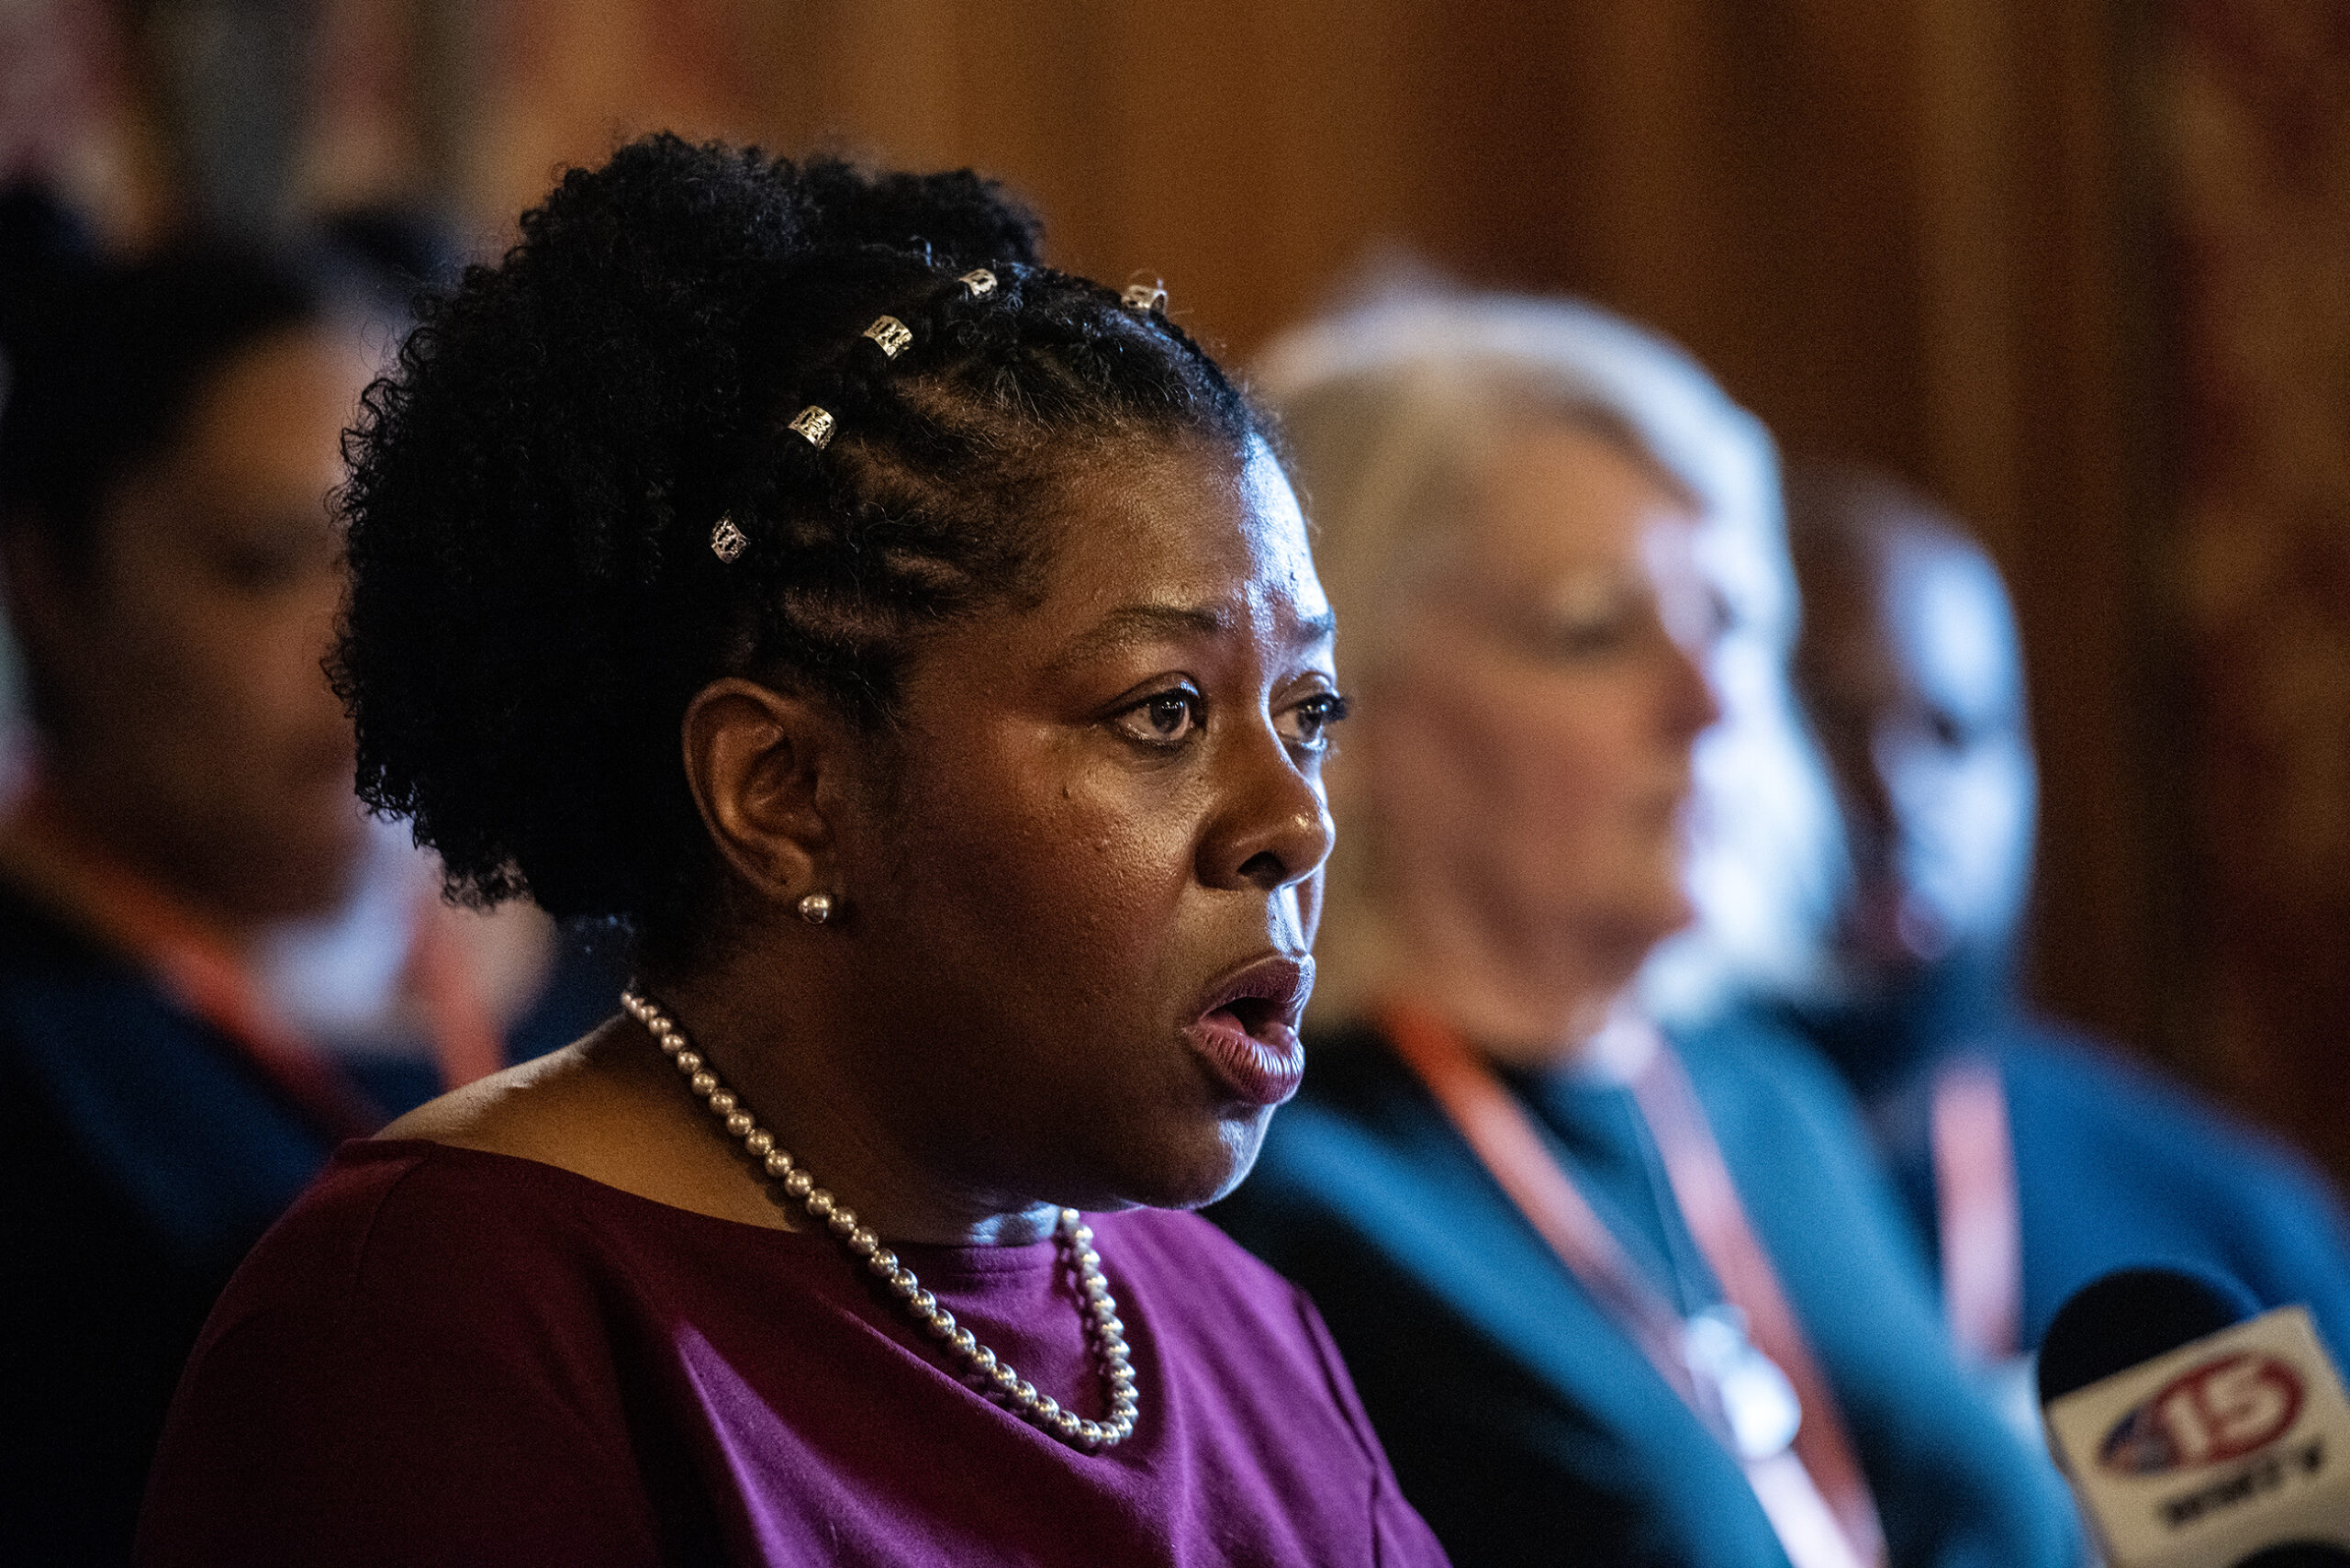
(1246, 1030)
(1251, 1012)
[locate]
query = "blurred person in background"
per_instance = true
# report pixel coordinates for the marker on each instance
(212, 968)
(1610, 1297)
(2033, 1159)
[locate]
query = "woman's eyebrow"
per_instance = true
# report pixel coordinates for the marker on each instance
(1129, 624)
(1314, 630)
(1137, 624)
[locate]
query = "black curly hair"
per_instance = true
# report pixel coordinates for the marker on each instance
(534, 595)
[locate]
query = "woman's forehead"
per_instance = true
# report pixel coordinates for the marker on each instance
(1562, 497)
(1189, 524)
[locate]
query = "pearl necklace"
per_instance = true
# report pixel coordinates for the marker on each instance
(1106, 1335)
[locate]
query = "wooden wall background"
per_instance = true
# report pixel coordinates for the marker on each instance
(2051, 259)
(2257, 99)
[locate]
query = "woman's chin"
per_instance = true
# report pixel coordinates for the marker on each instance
(1201, 1169)
(1662, 910)
(1245, 1142)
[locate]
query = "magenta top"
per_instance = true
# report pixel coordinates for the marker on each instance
(449, 1357)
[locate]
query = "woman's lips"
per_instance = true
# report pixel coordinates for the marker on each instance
(1248, 1032)
(1262, 1068)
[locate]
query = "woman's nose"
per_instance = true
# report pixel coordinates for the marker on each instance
(1274, 828)
(1693, 699)
(1865, 768)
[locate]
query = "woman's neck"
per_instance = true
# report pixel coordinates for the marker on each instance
(819, 1111)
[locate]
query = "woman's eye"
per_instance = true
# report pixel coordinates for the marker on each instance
(1722, 616)
(1587, 616)
(1166, 719)
(258, 568)
(1701, 622)
(1308, 723)
(1582, 637)
(1950, 732)
(271, 560)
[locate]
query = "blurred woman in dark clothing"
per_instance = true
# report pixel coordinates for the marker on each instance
(184, 813)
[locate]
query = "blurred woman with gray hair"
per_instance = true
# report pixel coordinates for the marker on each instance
(1609, 1297)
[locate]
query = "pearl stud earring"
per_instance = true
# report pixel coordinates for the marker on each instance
(816, 908)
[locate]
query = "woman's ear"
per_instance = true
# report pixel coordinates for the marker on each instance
(754, 759)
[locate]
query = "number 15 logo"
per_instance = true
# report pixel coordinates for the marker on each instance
(2221, 1410)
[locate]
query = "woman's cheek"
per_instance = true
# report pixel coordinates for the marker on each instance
(1093, 865)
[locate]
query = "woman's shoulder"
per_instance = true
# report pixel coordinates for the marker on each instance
(1759, 1080)
(1188, 1266)
(1750, 1046)
(1250, 1338)
(1206, 1295)
(2113, 1124)
(605, 1109)
(1178, 1244)
(1805, 1164)
(520, 1111)
(416, 1309)
(395, 1221)
(411, 1264)
(2093, 1088)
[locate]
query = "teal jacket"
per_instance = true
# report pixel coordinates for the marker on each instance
(2116, 1166)
(1522, 1421)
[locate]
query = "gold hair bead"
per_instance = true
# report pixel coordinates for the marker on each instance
(1147, 297)
(890, 335)
(980, 281)
(726, 540)
(813, 424)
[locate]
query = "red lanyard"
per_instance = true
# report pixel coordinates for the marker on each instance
(46, 854)
(1977, 1208)
(1815, 1493)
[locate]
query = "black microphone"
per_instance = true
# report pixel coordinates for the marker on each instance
(2195, 1430)
(2131, 1316)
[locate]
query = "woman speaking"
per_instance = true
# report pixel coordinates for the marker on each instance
(918, 650)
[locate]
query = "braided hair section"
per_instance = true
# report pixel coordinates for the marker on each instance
(538, 487)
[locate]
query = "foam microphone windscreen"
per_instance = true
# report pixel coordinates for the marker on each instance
(2301, 1554)
(2129, 1317)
